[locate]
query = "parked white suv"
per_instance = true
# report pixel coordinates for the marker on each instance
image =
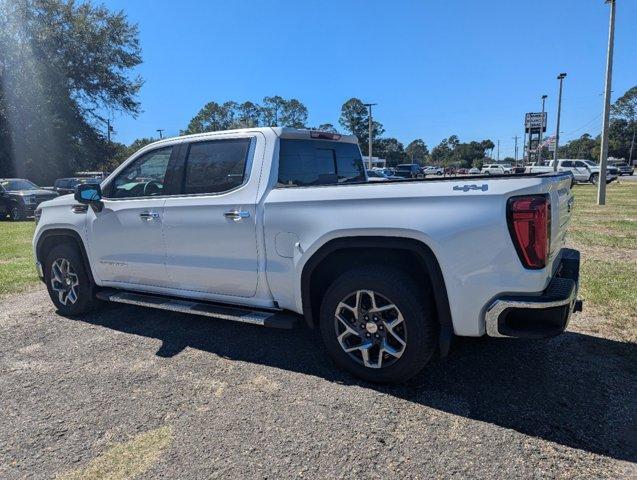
(582, 170)
(268, 225)
(494, 169)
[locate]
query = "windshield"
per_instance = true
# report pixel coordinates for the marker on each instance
(590, 162)
(18, 184)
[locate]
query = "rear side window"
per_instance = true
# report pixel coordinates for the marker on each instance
(216, 166)
(319, 162)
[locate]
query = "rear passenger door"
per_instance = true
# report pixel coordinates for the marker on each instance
(210, 226)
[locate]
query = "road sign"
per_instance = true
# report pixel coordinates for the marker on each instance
(534, 122)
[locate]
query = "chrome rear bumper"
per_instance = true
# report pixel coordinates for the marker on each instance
(538, 315)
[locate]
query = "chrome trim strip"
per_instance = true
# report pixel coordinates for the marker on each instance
(499, 306)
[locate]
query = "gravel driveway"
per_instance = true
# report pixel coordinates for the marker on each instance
(128, 391)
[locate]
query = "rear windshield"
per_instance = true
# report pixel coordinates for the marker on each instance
(319, 162)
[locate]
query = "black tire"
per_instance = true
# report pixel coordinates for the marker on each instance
(594, 178)
(16, 213)
(85, 290)
(400, 289)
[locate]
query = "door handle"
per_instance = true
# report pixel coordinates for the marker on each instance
(148, 216)
(236, 215)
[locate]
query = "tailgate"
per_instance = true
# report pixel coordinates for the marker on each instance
(561, 211)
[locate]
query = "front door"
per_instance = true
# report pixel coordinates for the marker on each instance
(125, 237)
(210, 229)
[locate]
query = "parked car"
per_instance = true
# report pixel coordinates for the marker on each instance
(474, 171)
(463, 171)
(493, 169)
(624, 169)
(64, 186)
(20, 197)
(409, 170)
(433, 170)
(266, 225)
(582, 170)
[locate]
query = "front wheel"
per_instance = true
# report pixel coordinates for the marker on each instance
(69, 286)
(16, 214)
(378, 325)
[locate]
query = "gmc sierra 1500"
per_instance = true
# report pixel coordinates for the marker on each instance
(267, 225)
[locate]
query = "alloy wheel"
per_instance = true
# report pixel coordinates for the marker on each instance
(370, 329)
(64, 281)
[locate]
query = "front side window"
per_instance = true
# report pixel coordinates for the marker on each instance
(319, 162)
(216, 166)
(145, 177)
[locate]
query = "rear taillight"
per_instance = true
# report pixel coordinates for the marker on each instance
(529, 220)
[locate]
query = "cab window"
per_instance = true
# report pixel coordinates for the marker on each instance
(216, 166)
(144, 177)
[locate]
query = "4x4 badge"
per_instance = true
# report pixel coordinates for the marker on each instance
(465, 188)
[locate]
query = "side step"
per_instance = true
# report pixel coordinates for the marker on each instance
(236, 314)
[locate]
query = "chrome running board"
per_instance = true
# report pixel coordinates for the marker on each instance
(235, 314)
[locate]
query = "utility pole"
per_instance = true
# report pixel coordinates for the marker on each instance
(498, 150)
(524, 159)
(161, 132)
(603, 155)
(561, 78)
(539, 153)
(369, 141)
(516, 150)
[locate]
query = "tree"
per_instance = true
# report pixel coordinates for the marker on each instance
(355, 119)
(625, 108)
(293, 114)
(272, 110)
(391, 150)
(213, 117)
(62, 64)
(248, 115)
(326, 127)
(417, 151)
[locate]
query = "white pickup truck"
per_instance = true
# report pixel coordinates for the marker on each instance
(270, 225)
(582, 170)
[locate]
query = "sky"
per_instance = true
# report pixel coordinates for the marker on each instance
(436, 68)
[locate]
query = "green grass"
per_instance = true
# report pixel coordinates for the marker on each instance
(17, 268)
(607, 238)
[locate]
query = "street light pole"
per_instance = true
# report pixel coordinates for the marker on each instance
(561, 78)
(369, 140)
(603, 155)
(161, 133)
(539, 153)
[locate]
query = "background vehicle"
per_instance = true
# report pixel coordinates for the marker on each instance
(493, 169)
(275, 223)
(376, 176)
(474, 171)
(432, 170)
(582, 170)
(64, 186)
(624, 169)
(20, 197)
(409, 170)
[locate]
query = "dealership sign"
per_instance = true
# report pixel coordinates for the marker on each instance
(534, 122)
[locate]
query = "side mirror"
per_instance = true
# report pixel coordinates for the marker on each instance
(89, 194)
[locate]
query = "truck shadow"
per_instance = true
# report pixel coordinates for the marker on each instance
(575, 390)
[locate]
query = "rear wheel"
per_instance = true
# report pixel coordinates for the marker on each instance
(594, 178)
(378, 325)
(69, 286)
